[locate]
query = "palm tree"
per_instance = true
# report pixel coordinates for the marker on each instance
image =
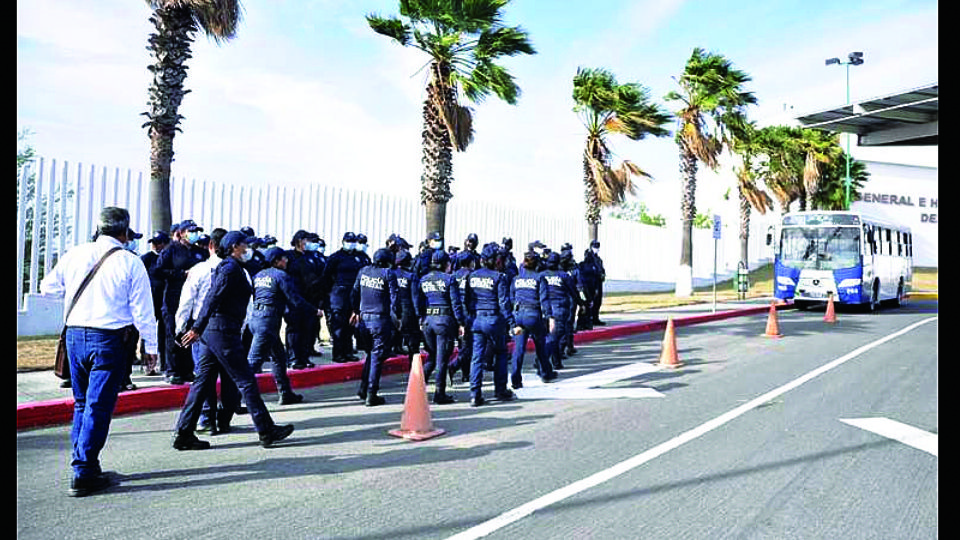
(606, 107)
(176, 22)
(462, 40)
(751, 195)
(832, 193)
(712, 102)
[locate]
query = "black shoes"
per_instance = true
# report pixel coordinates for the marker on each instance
(206, 427)
(549, 377)
(81, 487)
(302, 365)
(189, 441)
(477, 401)
(290, 398)
(443, 399)
(506, 395)
(275, 435)
(516, 384)
(374, 400)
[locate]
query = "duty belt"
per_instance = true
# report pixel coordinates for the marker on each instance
(263, 307)
(435, 311)
(528, 307)
(487, 312)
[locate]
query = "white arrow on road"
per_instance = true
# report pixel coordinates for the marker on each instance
(584, 386)
(909, 435)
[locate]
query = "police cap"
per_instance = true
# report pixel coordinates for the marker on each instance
(159, 237)
(248, 230)
(595, 244)
(361, 238)
(274, 254)
(232, 239)
(349, 237)
(435, 235)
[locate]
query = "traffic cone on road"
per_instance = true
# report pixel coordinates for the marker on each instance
(773, 327)
(415, 423)
(668, 354)
(831, 316)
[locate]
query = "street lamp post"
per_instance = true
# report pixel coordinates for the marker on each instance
(853, 59)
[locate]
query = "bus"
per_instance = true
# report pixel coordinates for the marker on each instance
(856, 258)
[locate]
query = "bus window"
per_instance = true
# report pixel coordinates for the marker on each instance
(899, 245)
(889, 243)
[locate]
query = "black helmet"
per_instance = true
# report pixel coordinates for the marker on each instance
(383, 258)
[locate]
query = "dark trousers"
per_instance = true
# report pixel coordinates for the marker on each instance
(179, 360)
(341, 333)
(210, 412)
(464, 354)
(597, 302)
(266, 346)
(533, 328)
(224, 347)
(489, 337)
(375, 332)
(554, 339)
(439, 331)
(98, 361)
(300, 336)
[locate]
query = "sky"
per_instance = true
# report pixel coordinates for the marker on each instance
(307, 93)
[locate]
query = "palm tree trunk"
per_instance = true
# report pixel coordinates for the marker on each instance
(688, 175)
(437, 154)
(592, 199)
(744, 229)
(161, 155)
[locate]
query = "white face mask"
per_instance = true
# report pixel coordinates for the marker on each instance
(320, 249)
(312, 246)
(363, 248)
(349, 246)
(596, 250)
(436, 244)
(246, 255)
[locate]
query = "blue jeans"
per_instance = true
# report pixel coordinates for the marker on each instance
(98, 362)
(489, 338)
(266, 345)
(533, 328)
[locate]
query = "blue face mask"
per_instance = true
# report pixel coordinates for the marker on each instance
(312, 246)
(349, 246)
(193, 236)
(131, 245)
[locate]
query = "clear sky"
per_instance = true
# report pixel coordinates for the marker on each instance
(306, 92)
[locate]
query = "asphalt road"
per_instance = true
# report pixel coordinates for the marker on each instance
(752, 437)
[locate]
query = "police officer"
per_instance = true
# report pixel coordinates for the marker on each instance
(598, 285)
(590, 275)
(560, 291)
(218, 329)
(257, 261)
(375, 303)
(305, 273)
(172, 266)
(466, 263)
(486, 300)
(316, 247)
(422, 263)
(407, 340)
(274, 292)
(471, 243)
(569, 265)
(158, 242)
(362, 249)
(510, 267)
(528, 293)
(438, 306)
(339, 277)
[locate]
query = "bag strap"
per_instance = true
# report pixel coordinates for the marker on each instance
(86, 280)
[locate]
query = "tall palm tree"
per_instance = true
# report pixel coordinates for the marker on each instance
(462, 39)
(606, 107)
(751, 195)
(176, 22)
(712, 103)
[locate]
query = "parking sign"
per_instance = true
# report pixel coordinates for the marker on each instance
(716, 227)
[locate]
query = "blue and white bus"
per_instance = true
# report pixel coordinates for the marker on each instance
(856, 258)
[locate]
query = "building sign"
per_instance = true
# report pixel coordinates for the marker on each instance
(925, 203)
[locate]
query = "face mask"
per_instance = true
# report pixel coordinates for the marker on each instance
(312, 246)
(246, 255)
(363, 248)
(193, 236)
(131, 246)
(320, 249)
(596, 250)
(349, 246)
(436, 244)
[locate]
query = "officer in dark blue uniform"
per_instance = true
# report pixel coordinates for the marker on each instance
(305, 273)
(569, 265)
(510, 267)
(438, 306)
(158, 242)
(172, 265)
(375, 305)
(528, 292)
(274, 292)
(217, 328)
(598, 285)
(422, 263)
(315, 293)
(466, 263)
(362, 249)
(560, 292)
(590, 276)
(407, 340)
(486, 300)
(339, 277)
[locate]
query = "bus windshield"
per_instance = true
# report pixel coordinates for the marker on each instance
(820, 248)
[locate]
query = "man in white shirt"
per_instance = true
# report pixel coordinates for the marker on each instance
(194, 290)
(117, 297)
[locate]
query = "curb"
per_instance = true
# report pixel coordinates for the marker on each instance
(60, 411)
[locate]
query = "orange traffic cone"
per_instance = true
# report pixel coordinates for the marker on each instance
(668, 355)
(831, 316)
(773, 328)
(415, 424)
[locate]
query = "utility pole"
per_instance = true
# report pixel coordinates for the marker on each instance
(853, 59)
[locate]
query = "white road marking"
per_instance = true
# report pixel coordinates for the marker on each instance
(909, 435)
(583, 387)
(596, 479)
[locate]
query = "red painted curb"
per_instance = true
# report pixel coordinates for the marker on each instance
(60, 411)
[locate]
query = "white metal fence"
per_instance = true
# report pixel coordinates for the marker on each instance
(68, 197)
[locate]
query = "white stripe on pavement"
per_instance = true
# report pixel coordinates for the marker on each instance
(596, 479)
(909, 435)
